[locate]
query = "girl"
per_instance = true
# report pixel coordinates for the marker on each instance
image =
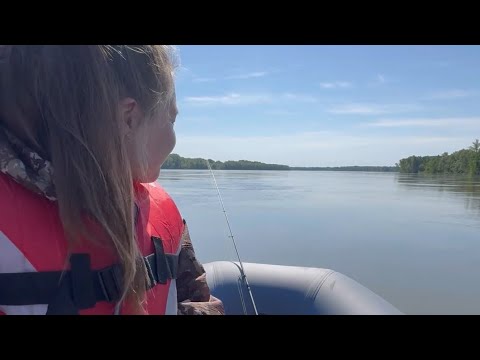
(84, 229)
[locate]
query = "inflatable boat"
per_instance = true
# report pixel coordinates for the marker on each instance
(291, 290)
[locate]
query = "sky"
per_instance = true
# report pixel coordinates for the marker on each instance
(326, 105)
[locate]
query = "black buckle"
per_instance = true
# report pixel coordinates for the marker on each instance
(151, 277)
(161, 265)
(110, 280)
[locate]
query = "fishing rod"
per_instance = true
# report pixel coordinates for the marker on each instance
(244, 276)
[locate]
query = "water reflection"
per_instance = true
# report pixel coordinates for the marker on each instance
(466, 188)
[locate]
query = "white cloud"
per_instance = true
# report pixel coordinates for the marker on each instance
(182, 73)
(251, 75)
(428, 122)
(380, 79)
(327, 85)
(229, 99)
(244, 99)
(450, 94)
(318, 148)
(372, 109)
(336, 84)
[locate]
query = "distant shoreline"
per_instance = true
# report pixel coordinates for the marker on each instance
(177, 162)
(349, 168)
(465, 161)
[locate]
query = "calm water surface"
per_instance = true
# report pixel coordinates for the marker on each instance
(412, 239)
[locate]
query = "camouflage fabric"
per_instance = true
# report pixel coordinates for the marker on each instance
(27, 168)
(192, 289)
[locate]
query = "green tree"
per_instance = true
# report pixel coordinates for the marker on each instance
(475, 146)
(465, 161)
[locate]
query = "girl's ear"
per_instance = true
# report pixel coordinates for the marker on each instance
(130, 115)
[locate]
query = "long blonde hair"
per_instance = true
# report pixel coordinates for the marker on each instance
(63, 101)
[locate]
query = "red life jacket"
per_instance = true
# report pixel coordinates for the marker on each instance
(36, 277)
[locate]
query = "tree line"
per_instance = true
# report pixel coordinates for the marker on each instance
(175, 161)
(464, 161)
